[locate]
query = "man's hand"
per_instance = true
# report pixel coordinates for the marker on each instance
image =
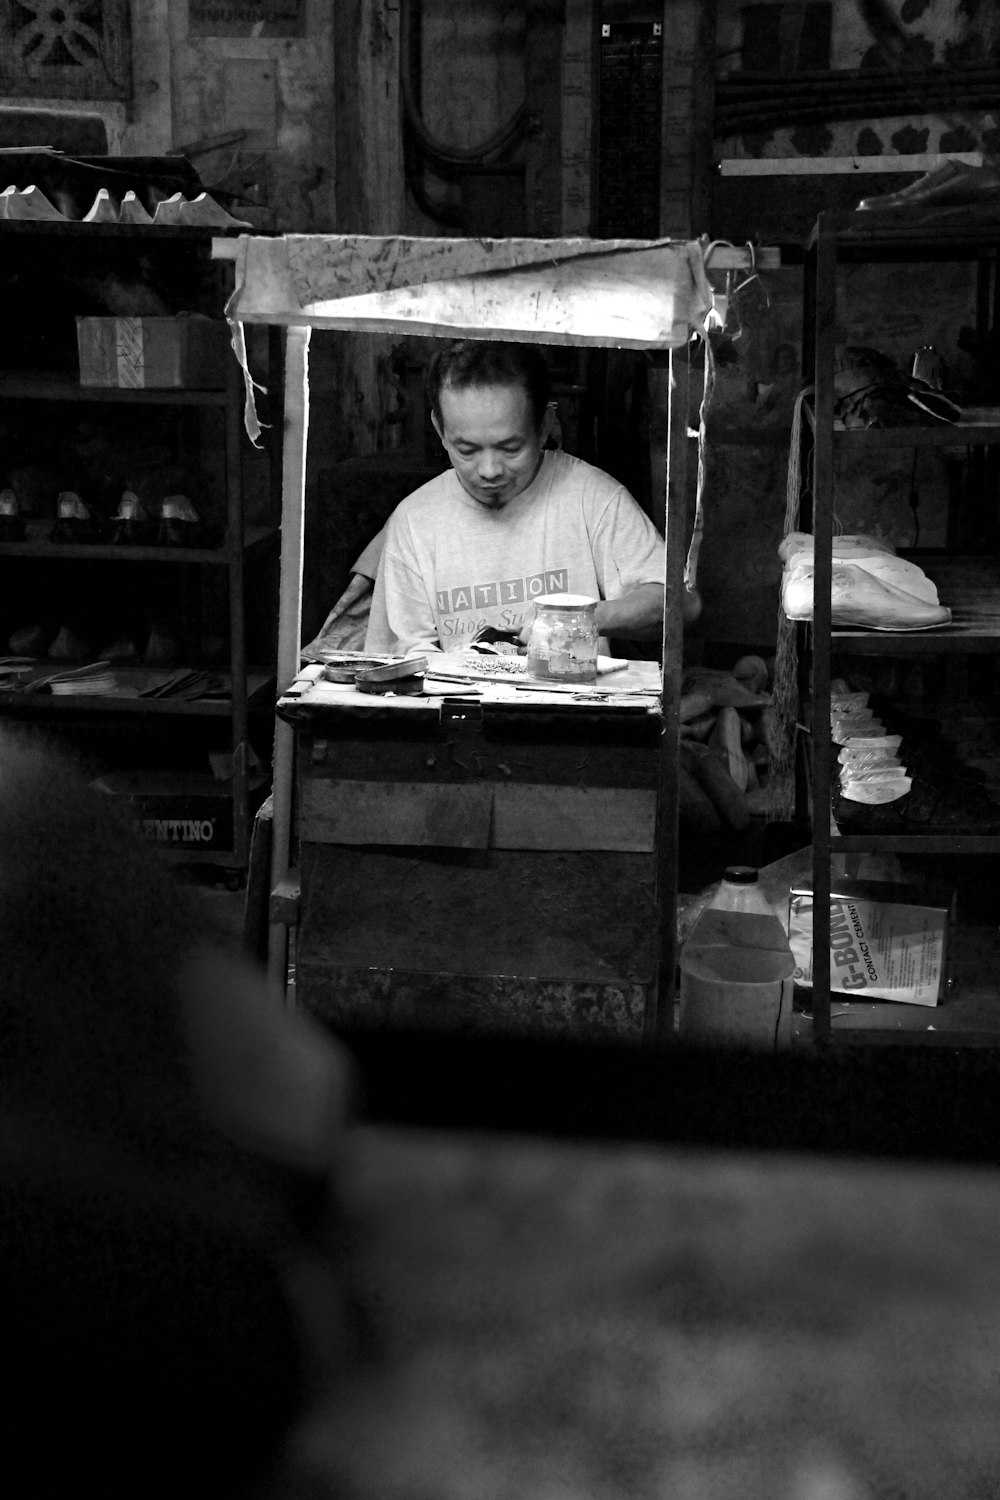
(690, 605)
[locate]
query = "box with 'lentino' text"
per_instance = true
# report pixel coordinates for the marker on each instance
(887, 942)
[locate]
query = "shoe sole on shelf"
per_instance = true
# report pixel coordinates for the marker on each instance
(28, 203)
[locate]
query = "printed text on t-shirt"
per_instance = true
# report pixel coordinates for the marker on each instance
(511, 591)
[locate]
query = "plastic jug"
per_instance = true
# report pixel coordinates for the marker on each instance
(736, 970)
(563, 641)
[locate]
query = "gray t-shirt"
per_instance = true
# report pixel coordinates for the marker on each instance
(451, 566)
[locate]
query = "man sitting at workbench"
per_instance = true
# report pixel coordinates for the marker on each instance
(511, 520)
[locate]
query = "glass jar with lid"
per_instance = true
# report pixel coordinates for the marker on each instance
(562, 644)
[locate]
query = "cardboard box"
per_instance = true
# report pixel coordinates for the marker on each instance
(185, 352)
(181, 810)
(884, 943)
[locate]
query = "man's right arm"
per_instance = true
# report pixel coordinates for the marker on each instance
(402, 621)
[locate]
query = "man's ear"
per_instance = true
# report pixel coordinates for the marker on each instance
(436, 424)
(547, 424)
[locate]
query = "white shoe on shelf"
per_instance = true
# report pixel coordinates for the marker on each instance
(168, 210)
(27, 203)
(204, 210)
(103, 210)
(879, 592)
(132, 210)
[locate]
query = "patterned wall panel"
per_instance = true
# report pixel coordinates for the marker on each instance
(65, 49)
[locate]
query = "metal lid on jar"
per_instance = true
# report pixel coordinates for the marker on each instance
(565, 601)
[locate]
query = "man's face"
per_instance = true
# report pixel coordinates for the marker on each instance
(489, 434)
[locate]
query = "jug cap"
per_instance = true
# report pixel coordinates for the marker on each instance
(740, 874)
(565, 601)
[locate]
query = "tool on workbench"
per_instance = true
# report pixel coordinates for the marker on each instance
(501, 641)
(347, 671)
(393, 677)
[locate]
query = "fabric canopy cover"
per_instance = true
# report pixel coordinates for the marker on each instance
(624, 293)
(646, 294)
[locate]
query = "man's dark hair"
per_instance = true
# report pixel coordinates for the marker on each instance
(478, 362)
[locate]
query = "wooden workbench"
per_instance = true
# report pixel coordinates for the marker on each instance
(479, 863)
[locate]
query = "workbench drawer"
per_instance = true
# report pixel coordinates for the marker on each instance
(477, 815)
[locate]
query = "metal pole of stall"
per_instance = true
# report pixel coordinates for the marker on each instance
(659, 1021)
(293, 491)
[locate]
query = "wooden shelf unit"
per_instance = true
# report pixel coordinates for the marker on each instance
(37, 545)
(259, 685)
(60, 390)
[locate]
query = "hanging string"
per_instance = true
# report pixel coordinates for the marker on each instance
(714, 319)
(782, 714)
(698, 526)
(251, 421)
(237, 339)
(794, 489)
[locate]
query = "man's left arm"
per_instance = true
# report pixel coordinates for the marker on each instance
(630, 559)
(637, 615)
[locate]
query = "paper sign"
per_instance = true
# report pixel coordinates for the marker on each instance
(251, 18)
(879, 950)
(129, 353)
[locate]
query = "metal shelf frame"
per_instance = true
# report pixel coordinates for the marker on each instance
(835, 240)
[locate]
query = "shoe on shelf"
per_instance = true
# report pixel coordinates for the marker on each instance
(27, 203)
(103, 210)
(181, 525)
(946, 797)
(11, 520)
(953, 184)
(168, 210)
(200, 211)
(934, 402)
(29, 640)
(75, 523)
(69, 646)
(871, 391)
(162, 648)
(133, 211)
(877, 592)
(132, 524)
(205, 210)
(123, 649)
(845, 546)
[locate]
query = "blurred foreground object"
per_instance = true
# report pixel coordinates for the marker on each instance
(167, 1170)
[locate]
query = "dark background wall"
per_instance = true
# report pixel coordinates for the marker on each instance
(575, 117)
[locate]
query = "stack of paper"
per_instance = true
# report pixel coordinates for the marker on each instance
(95, 677)
(96, 685)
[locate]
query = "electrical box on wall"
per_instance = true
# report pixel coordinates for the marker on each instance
(627, 158)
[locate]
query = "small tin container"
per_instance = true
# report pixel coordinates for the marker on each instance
(562, 645)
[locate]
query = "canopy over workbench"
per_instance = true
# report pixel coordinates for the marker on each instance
(637, 294)
(634, 294)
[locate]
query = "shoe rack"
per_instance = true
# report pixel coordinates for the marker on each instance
(142, 636)
(952, 836)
